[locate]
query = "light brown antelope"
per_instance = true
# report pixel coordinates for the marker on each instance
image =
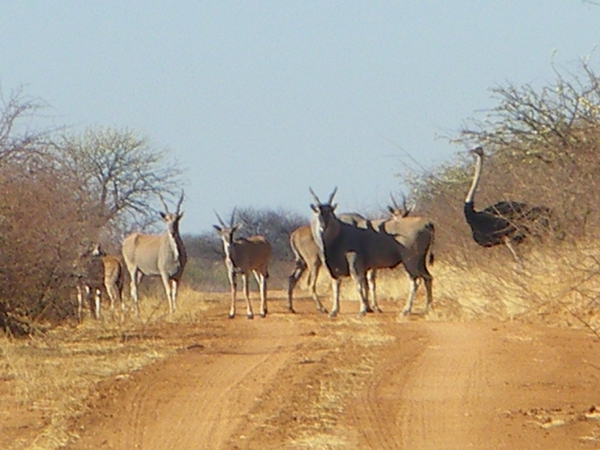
(417, 236)
(160, 255)
(347, 250)
(96, 272)
(306, 255)
(242, 256)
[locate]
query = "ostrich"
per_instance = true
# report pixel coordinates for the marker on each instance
(505, 222)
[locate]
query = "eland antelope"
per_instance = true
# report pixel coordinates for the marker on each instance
(306, 256)
(157, 255)
(306, 252)
(96, 272)
(242, 256)
(347, 250)
(417, 237)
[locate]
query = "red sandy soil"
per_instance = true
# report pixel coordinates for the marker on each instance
(308, 381)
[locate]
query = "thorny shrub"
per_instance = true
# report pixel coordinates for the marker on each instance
(542, 147)
(41, 223)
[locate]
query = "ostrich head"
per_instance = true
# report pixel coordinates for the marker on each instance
(477, 151)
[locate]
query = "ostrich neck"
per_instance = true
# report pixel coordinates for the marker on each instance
(471, 193)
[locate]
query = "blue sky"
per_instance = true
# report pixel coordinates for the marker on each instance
(259, 100)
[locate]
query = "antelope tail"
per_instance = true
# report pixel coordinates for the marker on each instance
(431, 256)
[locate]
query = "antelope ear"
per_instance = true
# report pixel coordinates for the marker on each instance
(97, 250)
(180, 215)
(314, 208)
(163, 215)
(333, 206)
(236, 227)
(218, 228)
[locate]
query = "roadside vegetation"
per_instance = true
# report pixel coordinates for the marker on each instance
(542, 146)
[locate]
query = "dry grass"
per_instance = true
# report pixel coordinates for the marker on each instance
(54, 376)
(51, 376)
(556, 285)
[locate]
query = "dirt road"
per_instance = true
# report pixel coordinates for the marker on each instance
(306, 381)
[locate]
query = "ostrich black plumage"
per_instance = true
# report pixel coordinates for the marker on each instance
(505, 222)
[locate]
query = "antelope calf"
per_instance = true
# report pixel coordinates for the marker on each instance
(96, 272)
(242, 256)
(157, 255)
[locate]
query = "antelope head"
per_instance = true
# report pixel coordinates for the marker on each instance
(86, 250)
(97, 250)
(324, 212)
(172, 219)
(226, 232)
(400, 212)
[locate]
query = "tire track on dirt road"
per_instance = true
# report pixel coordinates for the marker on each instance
(419, 397)
(479, 385)
(375, 410)
(444, 389)
(307, 382)
(197, 399)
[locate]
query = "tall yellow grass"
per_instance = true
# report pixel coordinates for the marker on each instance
(558, 285)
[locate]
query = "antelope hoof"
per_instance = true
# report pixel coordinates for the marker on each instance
(291, 309)
(263, 314)
(321, 309)
(405, 312)
(250, 316)
(362, 314)
(368, 309)
(333, 314)
(376, 309)
(231, 316)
